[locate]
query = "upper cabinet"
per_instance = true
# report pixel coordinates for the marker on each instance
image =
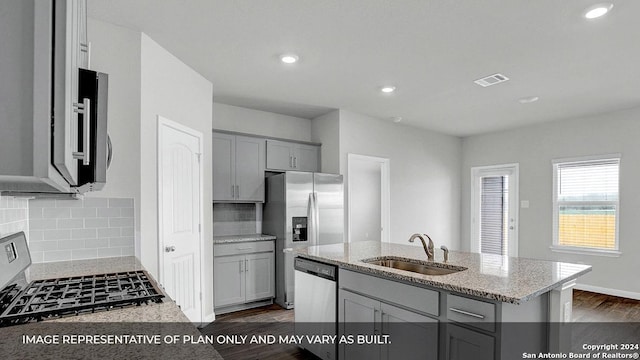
(285, 156)
(44, 43)
(238, 168)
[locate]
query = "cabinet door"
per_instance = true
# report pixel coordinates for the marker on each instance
(83, 42)
(224, 158)
(306, 158)
(462, 343)
(250, 163)
(279, 155)
(229, 280)
(413, 336)
(358, 315)
(260, 271)
(65, 88)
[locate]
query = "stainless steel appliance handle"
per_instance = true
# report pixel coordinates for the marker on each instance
(109, 151)
(311, 207)
(85, 110)
(316, 220)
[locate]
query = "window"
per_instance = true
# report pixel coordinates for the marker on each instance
(585, 204)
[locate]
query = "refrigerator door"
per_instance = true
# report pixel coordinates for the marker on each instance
(329, 212)
(298, 186)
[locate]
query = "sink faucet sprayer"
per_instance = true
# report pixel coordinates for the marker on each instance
(428, 249)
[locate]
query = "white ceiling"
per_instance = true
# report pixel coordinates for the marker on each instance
(431, 50)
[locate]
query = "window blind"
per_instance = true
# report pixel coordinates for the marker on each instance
(493, 234)
(587, 203)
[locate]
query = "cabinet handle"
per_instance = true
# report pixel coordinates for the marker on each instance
(243, 249)
(478, 316)
(85, 110)
(290, 161)
(295, 162)
(246, 264)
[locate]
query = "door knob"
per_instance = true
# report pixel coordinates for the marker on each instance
(169, 248)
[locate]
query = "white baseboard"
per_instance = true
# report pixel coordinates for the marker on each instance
(208, 319)
(608, 291)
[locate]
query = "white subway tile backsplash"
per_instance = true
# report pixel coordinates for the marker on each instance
(121, 242)
(83, 254)
(75, 229)
(56, 213)
(43, 246)
(61, 234)
(84, 213)
(84, 233)
(96, 223)
(96, 243)
(43, 224)
(122, 203)
(109, 212)
(96, 202)
(109, 252)
(70, 223)
(121, 222)
(36, 256)
(57, 255)
(109, 232)
(70, 244)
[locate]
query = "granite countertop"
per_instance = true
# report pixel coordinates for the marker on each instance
(155, 318)
(225, 239)
(501, 278)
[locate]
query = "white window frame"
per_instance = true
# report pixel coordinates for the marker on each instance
(582, 249)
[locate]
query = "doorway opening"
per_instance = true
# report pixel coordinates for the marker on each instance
(368, 198)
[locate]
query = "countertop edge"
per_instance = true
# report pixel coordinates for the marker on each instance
(448, 287)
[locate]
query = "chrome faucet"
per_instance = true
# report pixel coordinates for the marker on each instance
(446, 253)
(428, 249)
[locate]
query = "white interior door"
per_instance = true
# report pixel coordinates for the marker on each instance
(368, 191)
(180, 214)
(494, 217)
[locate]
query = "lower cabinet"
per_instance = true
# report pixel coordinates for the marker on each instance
(410, 335)
(462, 343)
(242, 278)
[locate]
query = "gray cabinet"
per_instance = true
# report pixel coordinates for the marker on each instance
(238, 168)
(285, 156)
(413, 335)
(39, 85)
(243, 272)
(462, 344)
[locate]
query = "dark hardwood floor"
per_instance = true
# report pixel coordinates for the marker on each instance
(274, 320)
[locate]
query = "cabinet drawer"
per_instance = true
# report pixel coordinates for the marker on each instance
(472, 312)
(413, 297)
(242, 248)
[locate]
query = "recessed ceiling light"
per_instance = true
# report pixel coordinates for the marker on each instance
(396, 119)
(528, 100)
(597, 10)
(289, 58)
(388, 89)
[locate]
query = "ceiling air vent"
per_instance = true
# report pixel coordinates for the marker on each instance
(491, 80)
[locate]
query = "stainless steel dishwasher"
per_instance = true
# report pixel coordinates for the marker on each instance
(316, 304)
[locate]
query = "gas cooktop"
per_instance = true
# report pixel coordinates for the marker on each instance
(41, 299)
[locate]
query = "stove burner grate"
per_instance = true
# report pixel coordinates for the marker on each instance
(75, 295)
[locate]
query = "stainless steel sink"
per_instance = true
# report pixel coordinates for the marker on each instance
(415, 266)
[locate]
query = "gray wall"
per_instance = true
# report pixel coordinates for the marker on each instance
(325, 129)
(425, 174)
(234, 118)
(534, 148)
(173, 90)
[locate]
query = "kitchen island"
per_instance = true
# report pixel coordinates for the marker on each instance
(155, 320)
(485, 310)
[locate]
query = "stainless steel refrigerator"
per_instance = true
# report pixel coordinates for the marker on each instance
(301, 209)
